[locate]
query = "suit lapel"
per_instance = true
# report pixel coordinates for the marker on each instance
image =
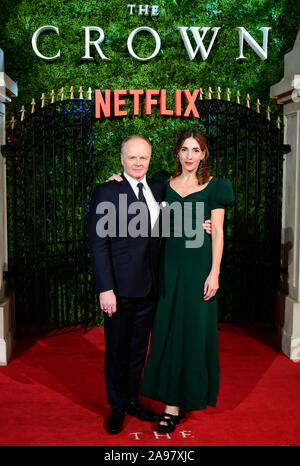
(156, 190)
(125, 188)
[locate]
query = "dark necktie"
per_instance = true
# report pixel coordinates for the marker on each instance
(142, 199)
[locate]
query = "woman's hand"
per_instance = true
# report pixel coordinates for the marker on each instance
(211, 286)
(207, 226)
(115, 176)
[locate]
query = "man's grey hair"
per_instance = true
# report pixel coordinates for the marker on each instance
(134, 136)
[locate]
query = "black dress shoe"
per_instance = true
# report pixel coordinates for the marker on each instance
(114, 423)
(136, 409)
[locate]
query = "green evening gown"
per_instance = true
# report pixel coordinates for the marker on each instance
(182, 368)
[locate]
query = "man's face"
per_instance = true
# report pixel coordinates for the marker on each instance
(136, 158)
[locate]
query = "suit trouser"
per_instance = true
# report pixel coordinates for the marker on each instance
(126, 344)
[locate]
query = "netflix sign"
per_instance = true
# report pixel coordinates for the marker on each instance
(113, 104)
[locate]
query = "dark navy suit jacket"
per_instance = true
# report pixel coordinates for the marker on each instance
(126, 265)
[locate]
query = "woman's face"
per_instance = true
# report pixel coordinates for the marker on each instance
(190, 155)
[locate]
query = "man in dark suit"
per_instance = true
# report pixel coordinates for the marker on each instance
(126, 278)
(125, 269)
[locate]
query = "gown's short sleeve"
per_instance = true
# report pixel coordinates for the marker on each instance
(162, 176)
(222, 195)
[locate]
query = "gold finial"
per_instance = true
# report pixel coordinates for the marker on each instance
(228, 94)
(62, 94)
(200, 94)
(89, 93)
(22, 111)
(52, 96)
(43, 100)
(32, 106)
(12, 121)
(268, 113)
(258, 104)
(238, 97)
(248, 100)
(80, 93)
(219, 93)
(278, 122)
(209, 93)
(72, 92)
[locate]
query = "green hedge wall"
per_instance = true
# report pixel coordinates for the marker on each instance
(170, 69)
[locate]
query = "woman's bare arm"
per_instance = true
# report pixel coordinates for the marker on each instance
(217, 236)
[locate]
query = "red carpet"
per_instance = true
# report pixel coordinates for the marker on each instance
(52, 393)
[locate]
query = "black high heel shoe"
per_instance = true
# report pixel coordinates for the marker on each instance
(171, 421)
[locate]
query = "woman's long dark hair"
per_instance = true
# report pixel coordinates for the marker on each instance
(205, 173)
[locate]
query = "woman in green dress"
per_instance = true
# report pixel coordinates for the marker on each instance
(182, 369)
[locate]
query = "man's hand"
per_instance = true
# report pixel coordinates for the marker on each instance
(108, 302)
(115, 176)
(207, 226)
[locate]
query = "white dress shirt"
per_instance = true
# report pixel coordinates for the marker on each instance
(153, 205)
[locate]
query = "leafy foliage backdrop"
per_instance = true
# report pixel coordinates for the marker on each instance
(170, 69)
